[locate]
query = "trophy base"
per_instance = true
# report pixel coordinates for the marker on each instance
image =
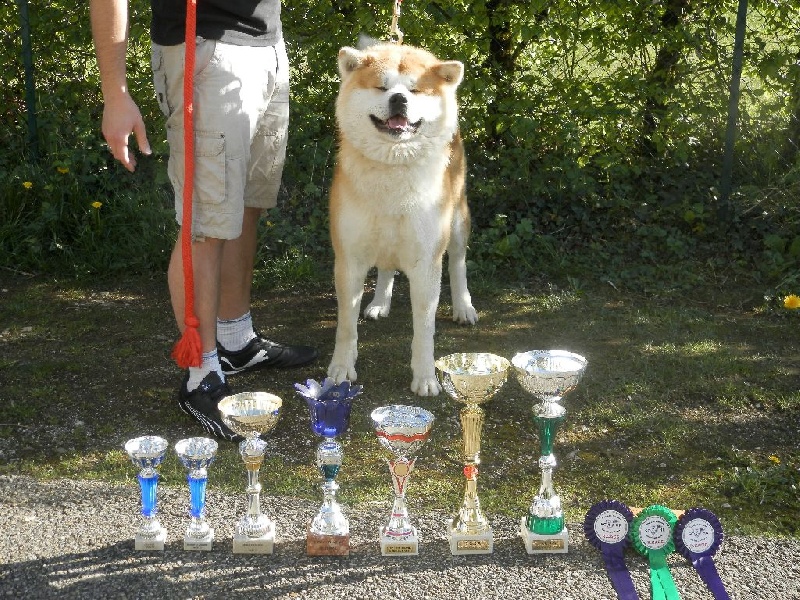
(469, 543)
(393, 545)
(536, 543)
(327, 545)
(202, 544)
(244, 544)
(151, 543)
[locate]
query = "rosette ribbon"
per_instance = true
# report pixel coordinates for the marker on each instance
(698, 536)
(606, 527)
(651, 534)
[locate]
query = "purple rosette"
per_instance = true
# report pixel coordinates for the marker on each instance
(606, 527)
(698, 535)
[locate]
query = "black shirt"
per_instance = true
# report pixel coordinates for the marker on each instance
(239, 22)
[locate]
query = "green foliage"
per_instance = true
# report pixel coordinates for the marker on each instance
(594, 132)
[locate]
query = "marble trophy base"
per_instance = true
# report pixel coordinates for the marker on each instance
(244, 544)
(399, 545)
(327, 545)
(151, 543)
(469, 543)
(201, 544)
(537, 543)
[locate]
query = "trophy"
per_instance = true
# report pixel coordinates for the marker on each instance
(548, 375)
(147, 452)
(402, 430)
(471, 379)
(197, 454)
(251, 414)
(329, 404)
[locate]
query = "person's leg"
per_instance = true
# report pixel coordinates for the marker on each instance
(238, 258)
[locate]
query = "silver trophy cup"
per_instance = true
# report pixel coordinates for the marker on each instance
(197, 454)
(547, 375)
(402, 430)
(146, 453)
(252, 414)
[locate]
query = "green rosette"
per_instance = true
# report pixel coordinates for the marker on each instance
(652, 535)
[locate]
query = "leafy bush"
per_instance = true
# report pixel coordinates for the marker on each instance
(594, 132)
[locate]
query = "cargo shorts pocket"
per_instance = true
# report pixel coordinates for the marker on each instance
(160, 79)
(209, 170)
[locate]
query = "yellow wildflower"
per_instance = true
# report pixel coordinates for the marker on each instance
(97, 204)
(791, 302)
(775, 459)
(27, 184)
(62, 170)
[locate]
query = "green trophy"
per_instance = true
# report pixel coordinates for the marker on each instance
(548, 375)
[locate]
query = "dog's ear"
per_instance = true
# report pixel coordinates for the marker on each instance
(452, 71)
(349, 60)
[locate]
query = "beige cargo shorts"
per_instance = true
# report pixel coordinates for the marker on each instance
(241, 119)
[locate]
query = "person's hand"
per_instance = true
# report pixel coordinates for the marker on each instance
(121, 117)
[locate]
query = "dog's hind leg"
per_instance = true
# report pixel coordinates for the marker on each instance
(349, 281)
(382, 300)
(463, 311)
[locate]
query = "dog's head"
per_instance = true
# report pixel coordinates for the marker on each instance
(397, 103)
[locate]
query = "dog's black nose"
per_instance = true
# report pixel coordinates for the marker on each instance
(398, 104)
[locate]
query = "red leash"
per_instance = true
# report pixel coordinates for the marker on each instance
(188, 351)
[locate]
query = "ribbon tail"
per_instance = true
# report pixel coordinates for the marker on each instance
(661, 578)
(618, 574)
(708, 573)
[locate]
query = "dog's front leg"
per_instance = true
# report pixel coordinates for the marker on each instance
(349, 278)
(425, 284)
(382, 300)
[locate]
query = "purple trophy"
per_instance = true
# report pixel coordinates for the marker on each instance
(329, 406)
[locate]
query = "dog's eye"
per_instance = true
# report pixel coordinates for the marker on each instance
(382, 88)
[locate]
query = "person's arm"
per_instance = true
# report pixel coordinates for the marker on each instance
(121, 116)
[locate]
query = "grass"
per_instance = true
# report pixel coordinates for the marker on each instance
(685, 402)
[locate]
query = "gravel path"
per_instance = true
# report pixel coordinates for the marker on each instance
(73, 539)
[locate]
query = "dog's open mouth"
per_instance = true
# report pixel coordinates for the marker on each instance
(395, 125)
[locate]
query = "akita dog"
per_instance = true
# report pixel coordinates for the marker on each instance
(397, 198)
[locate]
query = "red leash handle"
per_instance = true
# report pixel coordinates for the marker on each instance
(188, 351)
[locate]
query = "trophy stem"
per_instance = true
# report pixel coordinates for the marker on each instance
(148, 483)
(198, 528)
(254, 531)
(470, 520)
(399, 524)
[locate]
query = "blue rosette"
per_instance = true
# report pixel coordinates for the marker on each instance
(698, 535)
(651, 533)
(606, 526)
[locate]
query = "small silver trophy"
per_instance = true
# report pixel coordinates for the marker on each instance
(471, 379)
(197, 454)
(402, 430)
(251, 414)
(146, 453)
(548, 375)
(329, 406)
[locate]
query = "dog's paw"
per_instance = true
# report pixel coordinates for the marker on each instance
(425, 386)
(376, 310)
(340, 372)
(465, 315)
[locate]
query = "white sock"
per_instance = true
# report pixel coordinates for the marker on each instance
(197, 374)
(235, 334)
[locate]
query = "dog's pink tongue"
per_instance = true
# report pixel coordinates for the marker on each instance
(397, 122)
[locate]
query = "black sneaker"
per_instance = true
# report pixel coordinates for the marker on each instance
(202, 404)
(261, 353)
